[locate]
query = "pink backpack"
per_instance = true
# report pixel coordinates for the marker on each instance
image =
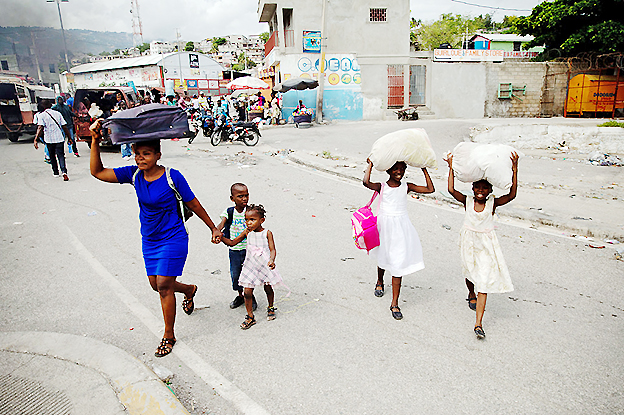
(365, 233)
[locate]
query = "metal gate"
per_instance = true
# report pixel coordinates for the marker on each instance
(395, 86)
(417, 84)
(595, 86)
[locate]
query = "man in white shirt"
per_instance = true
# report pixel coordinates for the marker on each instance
(53, 128)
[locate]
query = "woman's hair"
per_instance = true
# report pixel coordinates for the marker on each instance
(259, 209)
(485, 182)
(153, 144)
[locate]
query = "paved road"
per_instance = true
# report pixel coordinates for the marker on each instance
(71, 263)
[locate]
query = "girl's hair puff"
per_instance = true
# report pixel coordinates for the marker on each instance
(259, 209)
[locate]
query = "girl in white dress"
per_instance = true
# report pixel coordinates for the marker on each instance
(259, 266)
(482, 260)
(399, 251)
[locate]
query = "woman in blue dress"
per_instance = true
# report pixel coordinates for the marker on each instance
(164, 237)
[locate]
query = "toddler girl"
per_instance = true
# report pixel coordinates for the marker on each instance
(259, 265)
(482, 260)
(399, 251)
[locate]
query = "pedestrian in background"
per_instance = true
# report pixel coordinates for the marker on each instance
(483, 264)
(68, 116)
(164, 236)
(53, 129)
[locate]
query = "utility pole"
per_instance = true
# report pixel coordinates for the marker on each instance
(179, 58)
(58, 5)
(321, 75)
(32, 37)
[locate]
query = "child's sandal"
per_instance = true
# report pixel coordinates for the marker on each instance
(249, 321)
(271, 313)
(479, 332)
(379, 293)
(165, 347)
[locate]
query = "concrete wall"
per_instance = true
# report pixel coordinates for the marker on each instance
(470, 90)
(457, 89)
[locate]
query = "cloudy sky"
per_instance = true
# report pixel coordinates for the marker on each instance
(198, 19)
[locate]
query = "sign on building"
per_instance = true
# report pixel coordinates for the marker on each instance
(311, 41)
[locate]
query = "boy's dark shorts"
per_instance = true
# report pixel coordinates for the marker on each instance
(237, 257)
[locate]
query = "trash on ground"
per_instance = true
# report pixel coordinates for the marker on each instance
(344, 259)
(216, 272)
(447, 227)
(581, 218)
(93, 213)
(595, 245)
(611, 241)
(162, 372)
(602, 159)
(18, 223)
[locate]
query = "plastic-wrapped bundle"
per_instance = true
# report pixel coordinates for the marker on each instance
(492, 162)
(411, 146)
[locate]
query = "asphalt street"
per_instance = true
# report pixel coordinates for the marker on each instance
(71, 263)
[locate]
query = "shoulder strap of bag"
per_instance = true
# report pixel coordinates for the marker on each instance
(134, 176)
(56, 122)
(177, 195)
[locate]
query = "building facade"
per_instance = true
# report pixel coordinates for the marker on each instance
(367, 52)
(191, 72)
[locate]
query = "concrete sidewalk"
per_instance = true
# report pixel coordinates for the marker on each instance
(56, 373)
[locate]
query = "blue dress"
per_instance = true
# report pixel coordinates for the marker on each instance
(164, 238)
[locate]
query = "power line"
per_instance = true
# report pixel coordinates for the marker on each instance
(490, 7)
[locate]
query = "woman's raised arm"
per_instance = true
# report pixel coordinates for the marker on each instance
(97, 168)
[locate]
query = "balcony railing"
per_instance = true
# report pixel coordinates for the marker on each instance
(271, 43)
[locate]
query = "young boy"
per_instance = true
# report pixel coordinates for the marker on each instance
(233, 224)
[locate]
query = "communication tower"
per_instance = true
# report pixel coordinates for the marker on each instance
(137, 26)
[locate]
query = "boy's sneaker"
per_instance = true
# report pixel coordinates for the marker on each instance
(56, 175)
(65, 177)
(237, 302)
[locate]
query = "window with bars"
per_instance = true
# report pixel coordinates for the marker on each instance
(378, 15)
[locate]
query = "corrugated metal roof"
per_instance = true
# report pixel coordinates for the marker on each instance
(107, 65)
(504, 37)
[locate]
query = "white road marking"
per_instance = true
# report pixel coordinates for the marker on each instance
(207, 373)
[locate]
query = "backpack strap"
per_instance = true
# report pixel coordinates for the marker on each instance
(228, 222)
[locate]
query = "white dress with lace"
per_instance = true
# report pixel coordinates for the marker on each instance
(481, 255)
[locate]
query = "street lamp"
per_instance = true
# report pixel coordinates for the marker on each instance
(58, 5)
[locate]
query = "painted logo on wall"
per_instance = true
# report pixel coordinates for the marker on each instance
(340, 70)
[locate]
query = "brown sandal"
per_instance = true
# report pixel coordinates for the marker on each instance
(188, 305)
(165, 347)
(249, 321)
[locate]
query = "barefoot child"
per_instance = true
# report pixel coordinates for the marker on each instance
(259, 266)
(233, 224)
(483, 264)
(399, 251)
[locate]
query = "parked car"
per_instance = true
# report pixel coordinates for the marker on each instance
(105, 99)
(18, 105)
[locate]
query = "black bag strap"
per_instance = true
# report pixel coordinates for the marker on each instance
(228, 222)
(55, 122)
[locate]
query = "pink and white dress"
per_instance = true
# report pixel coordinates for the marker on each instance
(256, 270)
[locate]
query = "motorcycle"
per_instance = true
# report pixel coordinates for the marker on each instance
(247, 132)
(199, 119)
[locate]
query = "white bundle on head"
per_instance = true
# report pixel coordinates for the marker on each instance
(473, 162)
(411, 146)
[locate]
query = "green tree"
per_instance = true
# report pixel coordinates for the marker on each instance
(216, 42)
(450, 28)
(190, 46)
(143, 47)
(265, 36)
(243, 60)
(576, 26)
